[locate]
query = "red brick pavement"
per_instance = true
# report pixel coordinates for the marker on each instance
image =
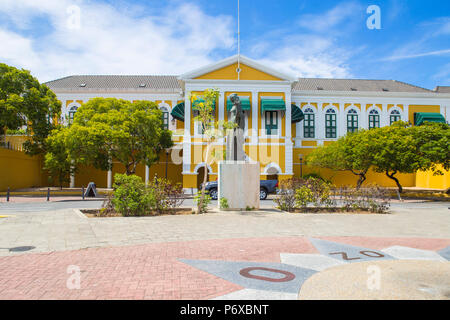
(152, 271)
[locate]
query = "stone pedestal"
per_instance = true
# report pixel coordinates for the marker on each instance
(239, 183)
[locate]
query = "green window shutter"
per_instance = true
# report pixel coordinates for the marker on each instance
(309, 126)
(271, 122)
(330, 125)
(166, 120)
(374, 121)
(395, 118)
(352, 122)
(272, 105)
(245, 104)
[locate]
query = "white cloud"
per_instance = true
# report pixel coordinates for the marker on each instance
(126, 40)
(329, 21)
(112, 40)
(418, 55)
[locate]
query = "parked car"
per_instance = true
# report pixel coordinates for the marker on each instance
(266, 187)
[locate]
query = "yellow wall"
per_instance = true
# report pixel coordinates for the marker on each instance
(428, 180)
(18, 170)
(229, 73)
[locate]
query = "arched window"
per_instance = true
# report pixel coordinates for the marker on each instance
(330, 124)
(309, 123)
(165, 114)
(374, 119)
(352, 121)
(72, 112)
(395, 116)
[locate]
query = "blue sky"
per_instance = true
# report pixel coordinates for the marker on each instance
(305, 38)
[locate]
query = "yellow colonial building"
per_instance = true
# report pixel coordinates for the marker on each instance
(286, 117)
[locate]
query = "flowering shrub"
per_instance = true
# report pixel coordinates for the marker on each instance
(314, 194)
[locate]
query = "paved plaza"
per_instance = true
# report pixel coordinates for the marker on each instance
(265, 254)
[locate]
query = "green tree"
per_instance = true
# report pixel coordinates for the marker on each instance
(401, 148)
(351, 152)
(57, 161)
(26, 102)
(106, 129)
(210, 133)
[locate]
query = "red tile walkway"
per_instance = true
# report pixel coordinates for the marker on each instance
(152, 271)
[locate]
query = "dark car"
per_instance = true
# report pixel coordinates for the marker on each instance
(266, 187)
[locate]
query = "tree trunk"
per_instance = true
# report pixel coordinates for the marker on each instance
(361, 179)
(400, 188)
(205, 177)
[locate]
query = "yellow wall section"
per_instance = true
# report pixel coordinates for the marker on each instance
(428, 180)
(247, 73)
(417, 108)
(18, 170)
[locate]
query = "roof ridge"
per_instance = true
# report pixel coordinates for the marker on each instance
(119, 75)
(413, 85)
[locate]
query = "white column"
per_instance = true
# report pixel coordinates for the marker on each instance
(364, 120)
(222, 108)
(341, 120)
(288, 116)
(384, 117)
(187, 135)
(187, 118)
(109, 180)
(172, 127)
(320, 120)
(405, 116)
(288, 147)
(147, 174)
(255, 113)
(72, 179)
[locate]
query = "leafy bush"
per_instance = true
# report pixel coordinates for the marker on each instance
(286, 193)
(165, 196)
(202, 205)
(314, 191)
(130, 196)
(303, 196)
(224, 203)
(373, 198)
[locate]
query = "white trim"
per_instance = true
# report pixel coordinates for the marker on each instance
(202, 164)
(272, 165)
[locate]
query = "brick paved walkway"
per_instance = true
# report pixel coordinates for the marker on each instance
(153, 271)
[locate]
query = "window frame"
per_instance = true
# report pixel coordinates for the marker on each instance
(374, 119)
(352, 119)
(276, 127)
(330, 118)
(309, 124)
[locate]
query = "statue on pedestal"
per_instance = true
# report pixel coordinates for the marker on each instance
(235, 137)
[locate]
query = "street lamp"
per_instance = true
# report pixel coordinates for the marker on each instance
(167, 160)
(301, 165)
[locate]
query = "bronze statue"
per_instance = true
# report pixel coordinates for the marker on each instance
(235, 137)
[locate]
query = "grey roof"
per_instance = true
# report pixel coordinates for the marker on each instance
(442, 89)
(312, 84)
(116, 82)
